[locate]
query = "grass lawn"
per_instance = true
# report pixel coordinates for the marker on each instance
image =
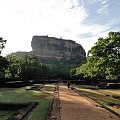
(99, 97)
(112, 91)
(21, 95)
(5, 114)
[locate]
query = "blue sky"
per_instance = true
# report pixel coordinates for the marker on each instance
(83, 21)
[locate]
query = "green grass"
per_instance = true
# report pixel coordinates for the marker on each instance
(112, 91)
(5, 114)
(100, 98)
(21, 95)
(88, 87)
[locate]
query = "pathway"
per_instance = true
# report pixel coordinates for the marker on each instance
(76, 107)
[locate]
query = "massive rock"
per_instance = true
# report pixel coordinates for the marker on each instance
(51, 47)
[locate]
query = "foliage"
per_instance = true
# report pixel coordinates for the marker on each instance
(14, 67)
(3, 65)
(3, 61)
(104, 59)
(72, 73)
(63, 68)
(26, 67)
(30, 67)
(2, 44)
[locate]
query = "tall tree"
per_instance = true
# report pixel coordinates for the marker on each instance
(2, 44)
(104, 58)
(3, 65)
(30, 67)
(14, 68)
(3, 61)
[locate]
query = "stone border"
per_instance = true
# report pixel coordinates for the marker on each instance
(35, 87)
(54, 112)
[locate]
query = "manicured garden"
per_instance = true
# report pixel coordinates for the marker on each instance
(43, 96)
(103, 96)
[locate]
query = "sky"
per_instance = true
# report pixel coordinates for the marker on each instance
(83, 21)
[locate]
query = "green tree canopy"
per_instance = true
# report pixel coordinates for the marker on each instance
(104, 58)
(3, 60)
(14, 68)
(3, 66)
(26, 67)
(2, 44)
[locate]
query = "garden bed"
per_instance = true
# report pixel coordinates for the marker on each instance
(16, 111)
(43, 96)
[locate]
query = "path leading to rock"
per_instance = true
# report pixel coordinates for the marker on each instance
(76, 107)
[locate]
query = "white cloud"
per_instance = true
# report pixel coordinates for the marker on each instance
(87, 43)
(94, 1)
(21, 19)
(104, 2)
(24, 18)
(104, 10)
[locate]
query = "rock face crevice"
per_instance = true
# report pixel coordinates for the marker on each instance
(51, 47)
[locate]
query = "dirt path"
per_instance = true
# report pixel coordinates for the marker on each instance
(75, 107)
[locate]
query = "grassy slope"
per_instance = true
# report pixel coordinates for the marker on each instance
(112, 91)
(100, 98)
(43, 97)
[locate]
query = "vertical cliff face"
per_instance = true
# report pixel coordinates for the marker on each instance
(50, 47)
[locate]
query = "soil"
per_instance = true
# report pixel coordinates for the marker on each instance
(73, 106)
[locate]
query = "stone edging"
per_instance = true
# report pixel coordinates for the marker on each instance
(54, 112)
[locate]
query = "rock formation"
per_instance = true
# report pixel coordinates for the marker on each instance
(51, 47)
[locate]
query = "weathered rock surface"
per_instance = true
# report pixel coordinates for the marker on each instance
(51, 47)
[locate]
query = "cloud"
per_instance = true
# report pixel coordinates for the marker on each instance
(91, 2)
(81, 20)
(23, 19)
(103, 10)
(85, 35)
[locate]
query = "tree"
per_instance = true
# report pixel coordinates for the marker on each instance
(26, 67)
(14, 68)
(3, 66)
(2, 44)
(104, 59)
(32, 68)
(3, 61)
